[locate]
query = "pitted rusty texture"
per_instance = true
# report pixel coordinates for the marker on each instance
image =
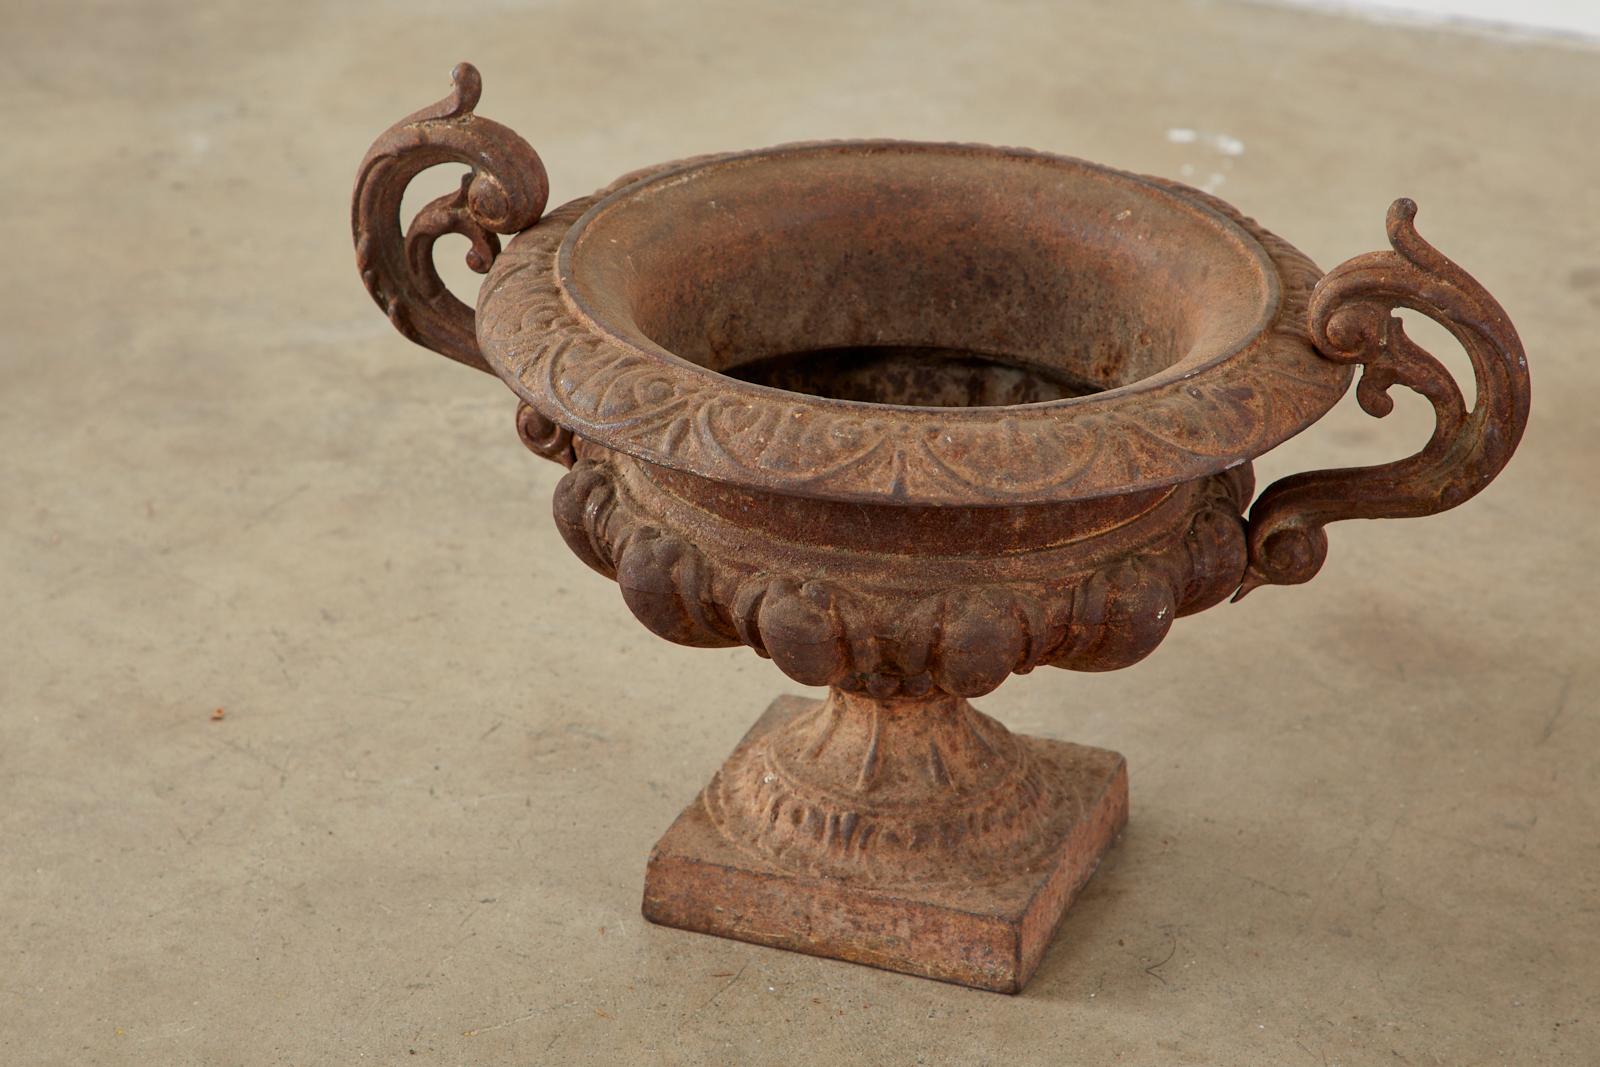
(907, 419)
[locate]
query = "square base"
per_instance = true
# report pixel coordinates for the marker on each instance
(986, 936)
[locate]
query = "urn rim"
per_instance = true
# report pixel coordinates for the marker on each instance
(561, 332)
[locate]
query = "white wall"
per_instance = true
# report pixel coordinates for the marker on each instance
(1567, 17)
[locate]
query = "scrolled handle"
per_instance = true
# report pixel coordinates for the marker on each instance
(1351, 320)
(544, 436)
(505, 193)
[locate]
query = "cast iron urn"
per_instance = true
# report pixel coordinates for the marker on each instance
(906, 419)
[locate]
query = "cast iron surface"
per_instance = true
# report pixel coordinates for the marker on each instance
(937, 893)
(907, 419)
(1232, 368)
(505, 192)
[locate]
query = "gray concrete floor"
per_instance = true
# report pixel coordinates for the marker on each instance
(1365, 810)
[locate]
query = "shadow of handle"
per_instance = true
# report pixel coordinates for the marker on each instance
(1351, 320)
(505, 193)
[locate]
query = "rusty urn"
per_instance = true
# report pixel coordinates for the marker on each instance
(907, 419)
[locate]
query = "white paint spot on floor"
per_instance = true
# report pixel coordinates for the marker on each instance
(1227, 145)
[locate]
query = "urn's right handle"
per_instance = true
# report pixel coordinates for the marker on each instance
(1351, 321)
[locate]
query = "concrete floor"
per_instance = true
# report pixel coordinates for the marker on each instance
(1366, 812)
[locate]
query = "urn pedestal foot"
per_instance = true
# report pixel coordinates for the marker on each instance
(915, 836)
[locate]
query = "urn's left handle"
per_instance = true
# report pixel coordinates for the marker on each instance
(504, 193)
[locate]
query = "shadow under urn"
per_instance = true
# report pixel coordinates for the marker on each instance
(906, 419)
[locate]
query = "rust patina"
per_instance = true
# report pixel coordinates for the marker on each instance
(907, 419)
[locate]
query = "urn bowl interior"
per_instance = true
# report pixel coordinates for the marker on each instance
(920, 275)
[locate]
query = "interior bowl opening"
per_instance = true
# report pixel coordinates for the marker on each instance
(919, 376)
(925, 276)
